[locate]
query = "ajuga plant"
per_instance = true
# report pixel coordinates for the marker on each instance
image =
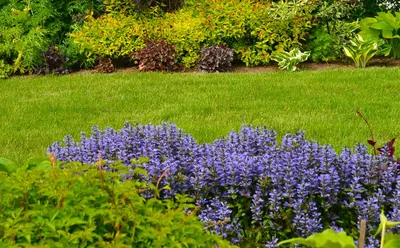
(54, 62)
(157, 56)
(105, 65)
(215, 59)
(87, 206)
(249, 187)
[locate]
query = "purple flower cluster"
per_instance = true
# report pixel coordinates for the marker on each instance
(248, 181)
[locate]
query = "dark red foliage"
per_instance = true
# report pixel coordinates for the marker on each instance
(372, 142)
(105, 66)
(54, 62)
(215, 59)
(388, 148)
(158, 56)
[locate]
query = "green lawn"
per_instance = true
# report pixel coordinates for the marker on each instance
(35, 111)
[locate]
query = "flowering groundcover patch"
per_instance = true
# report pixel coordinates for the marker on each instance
(250, 189)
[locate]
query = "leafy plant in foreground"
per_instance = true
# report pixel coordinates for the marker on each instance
(361, 50)
(329, 238)
(157, 56)
(215, 59)
(289, 60)
(86, 206)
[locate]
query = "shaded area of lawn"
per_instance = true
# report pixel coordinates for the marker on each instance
(35, 111)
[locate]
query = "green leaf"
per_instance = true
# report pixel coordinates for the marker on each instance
(385, 223)
(327, 239)
(7, 166)
(139, 170)
(347, 52)
(390, 237)
(389, 19)
(382, 26)
(388, 34)
(394, 243)
(38, 163)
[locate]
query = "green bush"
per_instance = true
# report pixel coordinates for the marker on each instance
(326, 46)
(333, 30)
(80, 206)
(29, 27)
(255, 29)
(128, 7)
(144, 8)
(5, 70)
(109, 36)
(23, 35)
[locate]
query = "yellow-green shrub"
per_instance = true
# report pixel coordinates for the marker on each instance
(182, 29)
(109, 36)
(255, 29)
(279, 26)
(225, 21)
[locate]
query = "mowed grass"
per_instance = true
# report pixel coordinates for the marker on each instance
(36, 111)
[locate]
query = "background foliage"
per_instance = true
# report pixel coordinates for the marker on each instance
(87, 29)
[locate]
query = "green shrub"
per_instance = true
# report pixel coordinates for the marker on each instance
(109, 36)
(79, 206)
(128, 7)
(142, 7)
(76, 56)
(255, 29)
(326, 46)
(29, 27)
(333, 29)
(5, 70)
(23, 35)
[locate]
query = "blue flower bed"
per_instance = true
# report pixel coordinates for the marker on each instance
(251, 189)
